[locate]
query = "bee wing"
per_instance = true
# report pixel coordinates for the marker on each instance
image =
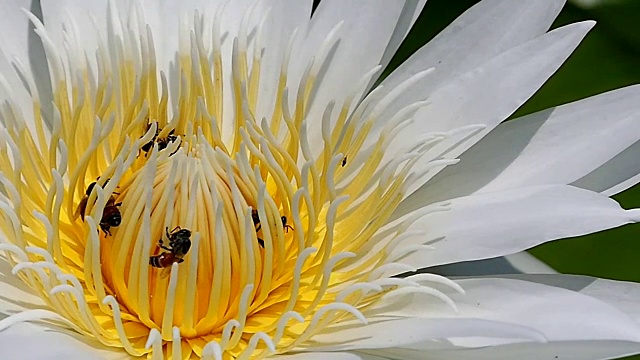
(82, 206)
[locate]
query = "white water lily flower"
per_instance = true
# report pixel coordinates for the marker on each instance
(255, 195)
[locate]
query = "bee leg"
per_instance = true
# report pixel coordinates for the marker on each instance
(178, 148)
(259, 227)
(287, 228)
(261, 243)
(106, 230)
(164, 247)
(179, 261)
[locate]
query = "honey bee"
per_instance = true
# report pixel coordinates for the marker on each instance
(179, 245)
(258, 226)
(82, 206)
(162, 142)
(110, 216)
(148, 146)
(285, 226)
(256, 220)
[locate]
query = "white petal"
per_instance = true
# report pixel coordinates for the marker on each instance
(561, 350)
(559, 314)
(416, 331)
(501, 223)
(364, 37)
(36, 342)
(482, 32)
(517, 263)
(486, 267)
(616, 175)
(17, 40)
(489, 93)
(15, 295)
(529, 264)
(58, 14)
(15, 29)
(625, 296)
(284, 18)
(555, 146)
(328, 355)
(408, 17)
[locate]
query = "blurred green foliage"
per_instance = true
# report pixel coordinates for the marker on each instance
(607, 59)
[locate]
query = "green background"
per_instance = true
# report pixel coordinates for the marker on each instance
(607, 59)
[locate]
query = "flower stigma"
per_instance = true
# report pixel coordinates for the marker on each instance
(161, 213)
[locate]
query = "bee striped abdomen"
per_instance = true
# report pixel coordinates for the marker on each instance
(159, 261)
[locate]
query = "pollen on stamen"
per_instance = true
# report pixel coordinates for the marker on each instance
(162, 212)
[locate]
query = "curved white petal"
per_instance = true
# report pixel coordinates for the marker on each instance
(15, 295)
(623, 295)
(37, 342)
(486, 267)
(15, 30)
(529, 264)
(369, 30)
(328, 355)
(616, 175)
(482, 32)
(495, 224)
(284, 18)
(564, 350)
(57, 15)
(417, 331)
(555, 146)
(408, 17)
(18, 41)
(489, 93)
(558, 314)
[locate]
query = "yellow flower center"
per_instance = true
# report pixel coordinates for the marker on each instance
(208, 231)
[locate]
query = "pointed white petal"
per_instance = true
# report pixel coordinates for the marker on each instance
(529, 264)
(59, 14)
(555, 146)
(37, 342)
(490, 93)
(623, 295)
(15, 30)
(559, 314)
(409, 332)
(284, 18)
(15, 295)
(564, 350)
(364, 37)
(616, 175)
(482, 32)
(408, 17)
(17, 40)
(329, 355)
(495, 224)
